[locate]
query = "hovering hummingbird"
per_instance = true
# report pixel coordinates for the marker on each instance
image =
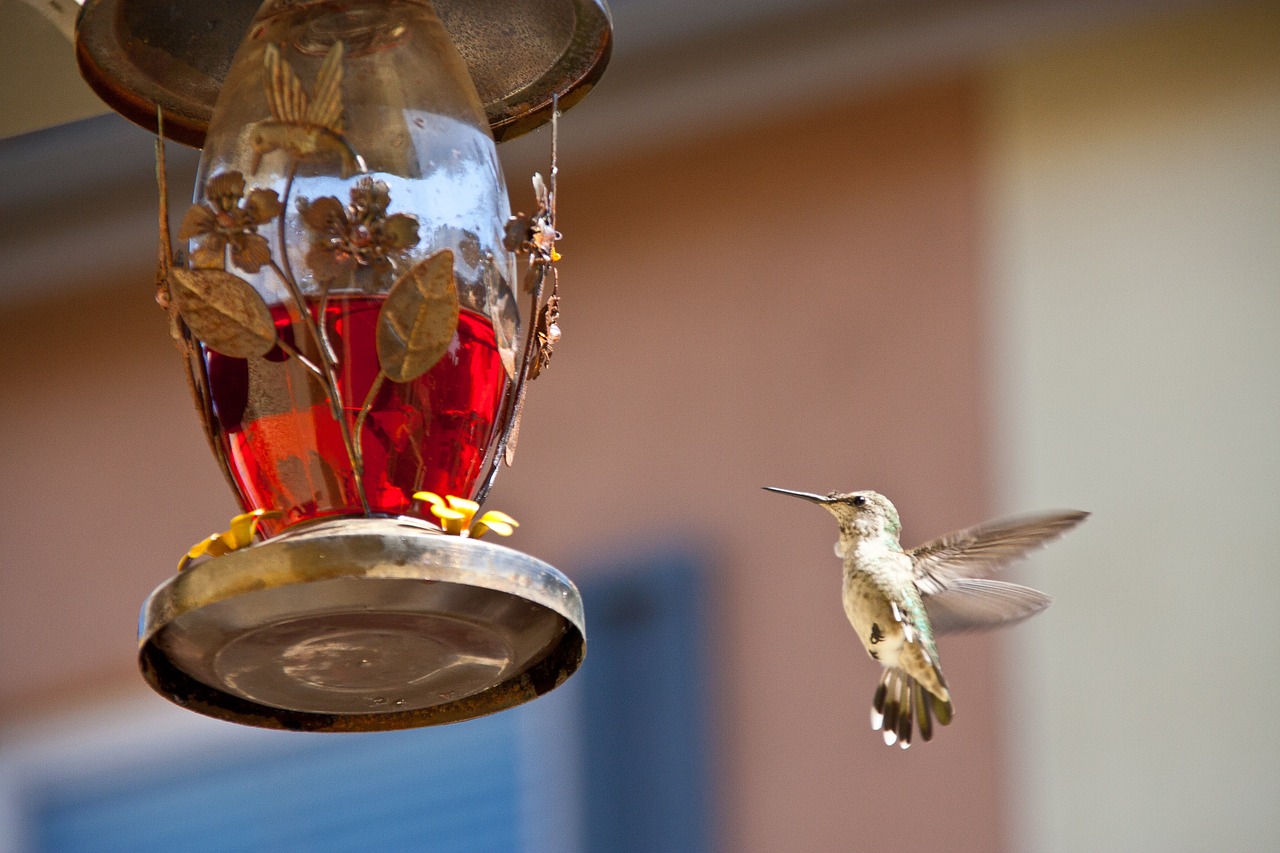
(899, 600)
(306, 128)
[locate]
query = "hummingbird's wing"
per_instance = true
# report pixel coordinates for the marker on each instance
(285, 95)
(952, 572)
(979, 552)
(326, 105)
(969, 604)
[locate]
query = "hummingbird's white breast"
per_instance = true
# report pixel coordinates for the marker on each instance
(870, 569)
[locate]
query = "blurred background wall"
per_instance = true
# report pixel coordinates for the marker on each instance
(1136, 292)
(982, 257)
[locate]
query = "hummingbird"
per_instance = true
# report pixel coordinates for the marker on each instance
(306, 128)
(899, 601)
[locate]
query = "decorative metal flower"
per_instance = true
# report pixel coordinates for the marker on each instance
(535, 233)
(229, 218)
(456, 513)
(359, 238)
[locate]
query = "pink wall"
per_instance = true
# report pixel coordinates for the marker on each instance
(794, 306)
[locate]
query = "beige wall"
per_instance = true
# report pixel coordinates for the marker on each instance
(1136, 211)
(794, 306)
(41, 87)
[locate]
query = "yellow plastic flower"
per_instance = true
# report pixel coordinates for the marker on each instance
(456, 516)
(239, 535)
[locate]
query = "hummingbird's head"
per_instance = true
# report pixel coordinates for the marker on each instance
(864, 514)
(261, 140)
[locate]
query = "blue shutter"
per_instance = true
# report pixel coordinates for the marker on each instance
(444, 789)
(645, 708)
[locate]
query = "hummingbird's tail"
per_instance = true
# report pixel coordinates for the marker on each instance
(900, 702)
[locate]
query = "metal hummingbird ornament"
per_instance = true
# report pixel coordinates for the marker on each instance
(307, 128)
(899, 601)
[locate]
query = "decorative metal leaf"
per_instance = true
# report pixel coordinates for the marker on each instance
(547, 331)
(419, 318)
(223, 311)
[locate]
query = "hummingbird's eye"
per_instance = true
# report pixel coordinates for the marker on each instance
(859, 500)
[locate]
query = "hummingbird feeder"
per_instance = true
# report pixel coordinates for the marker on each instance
(345, 293)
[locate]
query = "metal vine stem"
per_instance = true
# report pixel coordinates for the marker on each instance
(535, 281)
(181, 336)
(327, 376)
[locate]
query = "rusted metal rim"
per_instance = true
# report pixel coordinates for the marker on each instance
(361, 625)
(140, 54)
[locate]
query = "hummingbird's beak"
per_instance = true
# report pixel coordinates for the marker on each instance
(809, 496)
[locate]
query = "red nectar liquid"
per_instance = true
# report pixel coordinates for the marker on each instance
(286, 450)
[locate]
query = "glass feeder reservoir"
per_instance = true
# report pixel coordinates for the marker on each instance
(349, 294)
(346, 297)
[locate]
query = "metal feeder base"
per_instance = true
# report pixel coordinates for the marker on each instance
(363, 624)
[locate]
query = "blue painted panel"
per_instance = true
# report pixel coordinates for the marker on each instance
(442, 789)
(645, 708)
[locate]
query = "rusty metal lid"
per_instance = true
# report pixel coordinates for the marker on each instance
(140, 54)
